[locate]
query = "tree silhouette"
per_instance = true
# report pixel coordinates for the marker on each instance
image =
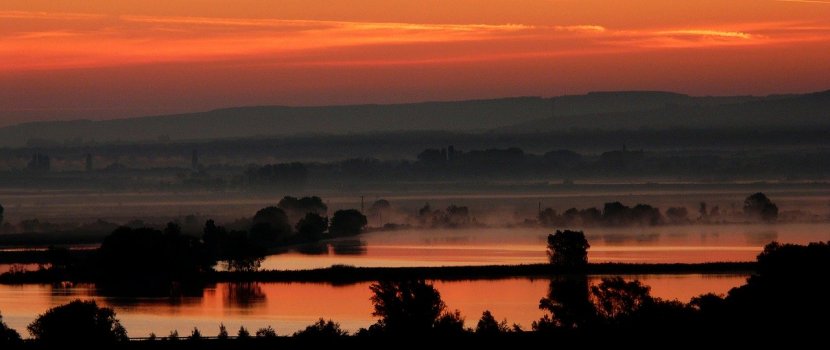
(759, 207)
(123, 256)
(488, 325)
(568, 249)
(678, 215)
(646, 215)
(312, 226)
(195, 335)
(267, 332)
(243, 333)
(616, 214)
(789, 291)
(379, 209)
(9, 338)
(297, 208)
(615, 298)
(79, 323)
(270, 224)
(449, 324)
(223, 332)
(568, 302)
(322, 329)
(236, 249)
(347, 222)
(406, 307)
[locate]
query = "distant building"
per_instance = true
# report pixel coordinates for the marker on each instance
(39, 163)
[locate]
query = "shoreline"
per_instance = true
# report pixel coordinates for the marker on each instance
(339, 274)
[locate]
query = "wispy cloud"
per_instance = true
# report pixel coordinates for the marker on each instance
(581, 28)
(806, 1)
(707, 33)
(283, 23)
(50, 15)
(70, 40)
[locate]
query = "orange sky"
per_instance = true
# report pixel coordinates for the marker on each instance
(106, 59)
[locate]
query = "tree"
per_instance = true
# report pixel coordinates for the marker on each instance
(379, 209)
(678, 215)
(322, 329)
(312, 226)
(347, 222)
(406, 307)
(449, 324)
(78, 323)
(615, 298)
(615, 214)
(223, 332)
(569, 303)
(548, 217)
(9, 338)
(458, 215)
(267, 332)
(123, 256)
(236, 249)
(759, 207)
(644, 214)
(270, 224)
(703, 213)
(789, 291)
(296, 208)
(243, 333)
(195, 335)
(568, 249)
(488, 325)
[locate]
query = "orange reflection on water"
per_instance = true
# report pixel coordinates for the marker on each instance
(289, 307)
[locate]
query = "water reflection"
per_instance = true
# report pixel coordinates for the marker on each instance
(349, 247)
(312, 249)
(139, 292)
(568, 301)
(523, 245)
(289, 307)
(336, 247)
(243, 294)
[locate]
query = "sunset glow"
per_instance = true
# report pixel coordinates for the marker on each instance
(98, 59)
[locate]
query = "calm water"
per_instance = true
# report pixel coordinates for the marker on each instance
(291, 306)
(692, 243)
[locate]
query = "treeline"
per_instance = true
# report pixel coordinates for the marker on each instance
(305, 220)
(493, 162)
(786, 297)
(757, 207)
(145, 258)
(448, 164)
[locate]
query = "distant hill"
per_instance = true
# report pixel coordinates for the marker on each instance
(598, 110)
(790, 111)
(282, 121)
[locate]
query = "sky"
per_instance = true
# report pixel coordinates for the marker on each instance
(102, 59)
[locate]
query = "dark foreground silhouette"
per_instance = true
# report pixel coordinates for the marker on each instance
(786, 299)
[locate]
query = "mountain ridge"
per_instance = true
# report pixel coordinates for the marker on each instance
(601, 110)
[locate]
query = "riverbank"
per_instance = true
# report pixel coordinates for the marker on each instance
(351, 274)
(339, 274)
